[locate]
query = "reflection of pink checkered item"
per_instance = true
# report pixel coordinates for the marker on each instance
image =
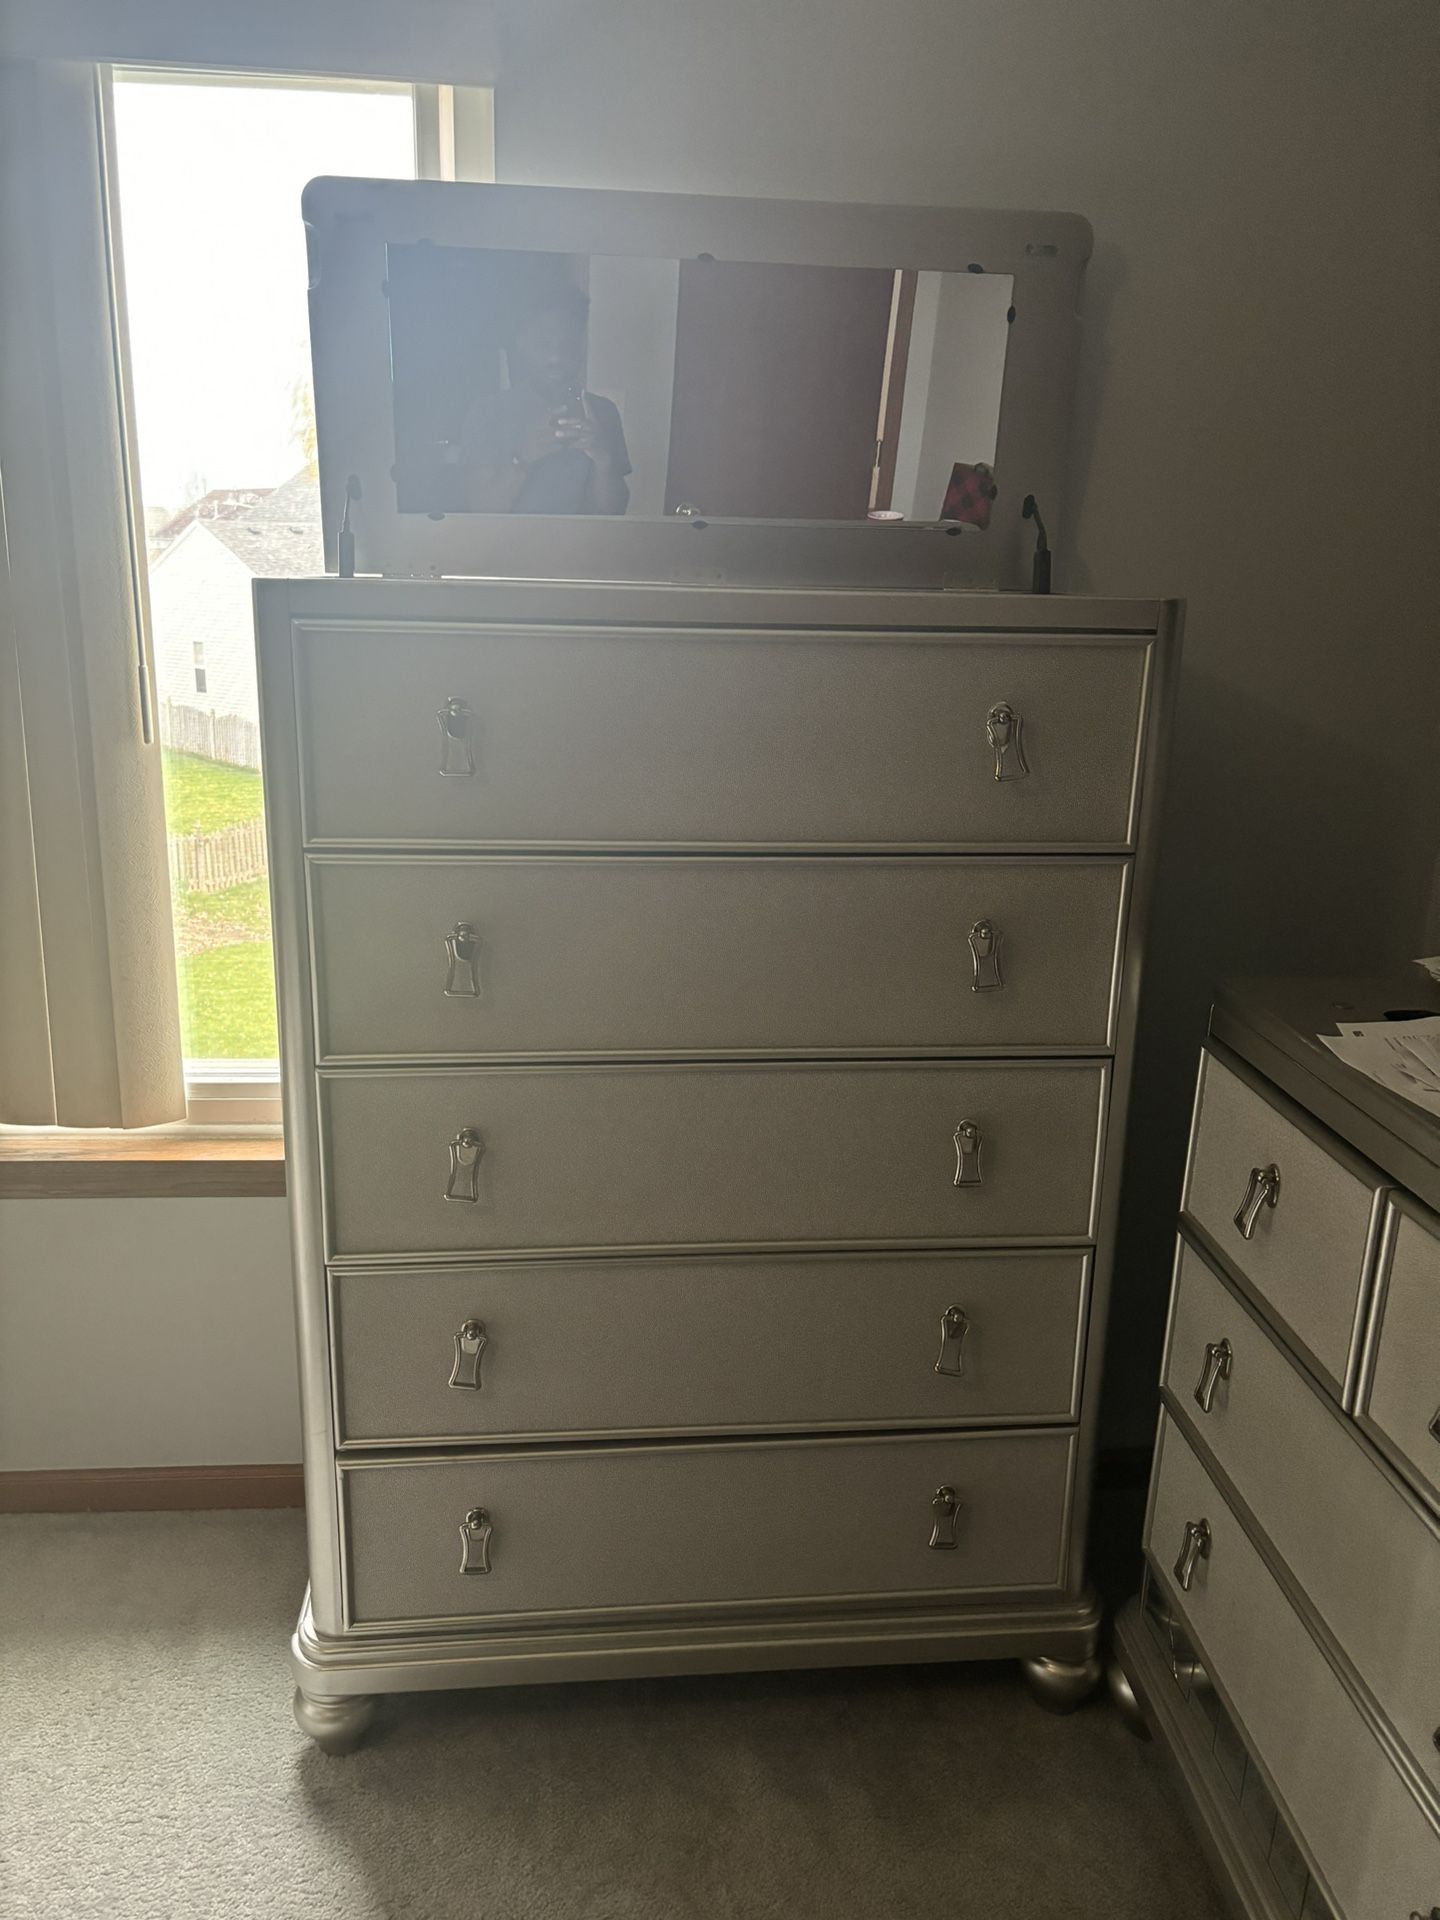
(969, 494)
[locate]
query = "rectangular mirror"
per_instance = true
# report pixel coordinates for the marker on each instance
(552, 383)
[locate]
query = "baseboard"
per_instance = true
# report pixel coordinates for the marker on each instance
(150, 1489)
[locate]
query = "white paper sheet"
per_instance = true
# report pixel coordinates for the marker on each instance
(1403, 1055)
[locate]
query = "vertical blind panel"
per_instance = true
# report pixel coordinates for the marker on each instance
(93, 899)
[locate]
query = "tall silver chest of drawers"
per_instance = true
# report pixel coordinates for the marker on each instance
(1287, 1644)
(706, 1017)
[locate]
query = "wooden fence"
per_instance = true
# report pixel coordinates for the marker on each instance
(214, 736)
(206, 862)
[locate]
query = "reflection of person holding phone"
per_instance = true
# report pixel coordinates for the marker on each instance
(543, 444)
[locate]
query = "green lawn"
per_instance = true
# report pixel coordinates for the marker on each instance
(227, 990)
(206, 794)
(227, 1003)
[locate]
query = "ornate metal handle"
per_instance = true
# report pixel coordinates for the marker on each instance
(1219, 1358)
(984, 938)
(945, 1509)
(967, 1154)
(466, 1152)
(1263, 1191)
(457, 752)
(1194, 1548)
(470, 1344)
(462, 957)
(475, 1535)
(953, 1328)
(1004, 729)
(1435, 1425)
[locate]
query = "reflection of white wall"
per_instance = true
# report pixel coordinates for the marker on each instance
(953, 378)
(631, 360)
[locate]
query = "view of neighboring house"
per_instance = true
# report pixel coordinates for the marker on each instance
(202, 563)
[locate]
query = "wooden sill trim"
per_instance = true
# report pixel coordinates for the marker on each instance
(46, 1165)
(150, 1489)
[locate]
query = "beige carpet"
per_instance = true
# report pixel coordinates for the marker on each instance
(151, 1770)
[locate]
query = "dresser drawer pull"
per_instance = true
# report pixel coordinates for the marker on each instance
(953, 1328)
(466, 1151)
(457, 753)
(967, 1154)
(470, 1344)
(1435, 1425)
(462, 962)
(1263, 1191)
(1195, 1547)
(945, 1509)
(984, 938)
(1219, 1358)
(1004, 729)
(475, 1533)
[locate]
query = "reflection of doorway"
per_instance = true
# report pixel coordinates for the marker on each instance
(779, 376)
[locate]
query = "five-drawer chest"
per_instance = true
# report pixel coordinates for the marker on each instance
(1286, 1645)
(706, 1018)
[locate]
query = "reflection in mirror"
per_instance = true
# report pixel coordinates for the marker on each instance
(558, 384)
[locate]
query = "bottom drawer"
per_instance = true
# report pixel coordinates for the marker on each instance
(1370, 1838)
(567, 1532)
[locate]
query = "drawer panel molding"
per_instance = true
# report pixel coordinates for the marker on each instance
(1290, 1209)
(668, 1528)
(1372, 1842)
(451, 958)
(542, 1350)
(535, 736)
(1330, 1511)
(587, 1158)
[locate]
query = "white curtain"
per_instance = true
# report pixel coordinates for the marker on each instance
(89, 1023)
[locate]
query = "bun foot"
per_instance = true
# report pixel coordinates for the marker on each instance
(1123, 1694)
(1059, 1686)
(336, 1726)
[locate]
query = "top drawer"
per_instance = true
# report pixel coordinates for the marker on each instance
(1400, 1391)
(612, 738)
(1290, 1208)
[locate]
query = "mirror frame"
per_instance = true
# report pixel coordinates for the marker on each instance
(350, 223)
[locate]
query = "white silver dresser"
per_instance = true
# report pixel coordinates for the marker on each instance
(706, 1017)
(1286, 1646)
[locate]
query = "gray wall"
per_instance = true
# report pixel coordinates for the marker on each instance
(1257, 430)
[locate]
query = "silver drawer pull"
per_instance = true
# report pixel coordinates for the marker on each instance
(457, 753)
(945, 1509)
(462, 962)
(1263, 1191)
(1219, 1358)
(1004, 729)
(466, 1151)
(1435, 1425)
(967, 1154)
(953, 1328)
(470, 1344)
(984, 938)
(1194, 1548)
(475, 1535)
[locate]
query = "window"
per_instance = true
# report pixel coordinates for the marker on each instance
(209, 171)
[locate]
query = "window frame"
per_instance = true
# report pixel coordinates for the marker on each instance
(230, 1093)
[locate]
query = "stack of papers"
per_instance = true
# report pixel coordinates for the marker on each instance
(1403, 1055)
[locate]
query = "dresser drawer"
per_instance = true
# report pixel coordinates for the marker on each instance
(707, 738)
(1317, 1492)
(673, 1527)
(1306, 1254)
(634, 955)
(1400, 1393)
(1371, 1839)
(591, 1157)
(565, 1347)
